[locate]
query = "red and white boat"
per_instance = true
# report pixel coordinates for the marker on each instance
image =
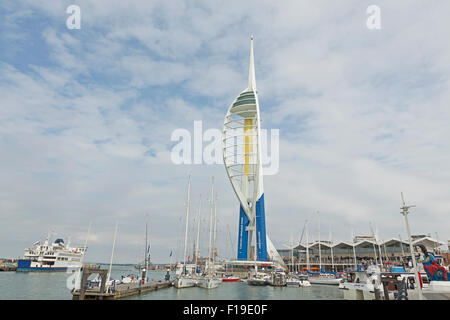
(230, 278)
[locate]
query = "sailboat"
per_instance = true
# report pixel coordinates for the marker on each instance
(144, 265)
(211, 280)
(322, 277)
(293, 280)
(258, 278)
(146, 256)
(184, 279)
(196, 251)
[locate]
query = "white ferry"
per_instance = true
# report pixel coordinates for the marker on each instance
(51, 257)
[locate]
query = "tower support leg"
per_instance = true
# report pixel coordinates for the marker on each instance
(261, 245)
(242, 252)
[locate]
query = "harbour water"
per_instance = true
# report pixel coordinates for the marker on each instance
(52, 286)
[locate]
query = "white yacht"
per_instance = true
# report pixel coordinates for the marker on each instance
(361, 284)
(258, 279)
(184, 278)
(211, 279)
(297, 281)
(56, 256)
(324, 278)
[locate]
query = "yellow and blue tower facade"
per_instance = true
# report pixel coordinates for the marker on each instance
(241, 142)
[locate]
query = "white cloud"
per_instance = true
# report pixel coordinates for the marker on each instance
(363, 115)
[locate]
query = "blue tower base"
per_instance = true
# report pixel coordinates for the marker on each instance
(261, 245)
(243, 235)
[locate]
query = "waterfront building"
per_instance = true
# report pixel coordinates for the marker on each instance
(394, 251)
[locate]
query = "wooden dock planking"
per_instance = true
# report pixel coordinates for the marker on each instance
(122, 291)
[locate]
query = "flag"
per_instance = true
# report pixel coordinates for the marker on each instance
(148, 248)
(170, 253)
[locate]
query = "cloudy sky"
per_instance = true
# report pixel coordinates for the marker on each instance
(86, 118)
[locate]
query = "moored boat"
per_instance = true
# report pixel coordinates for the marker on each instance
(293, 282)
(258, 279)
(53, 257)
(211, 279)
(324, 280)
(278, 278)
(230, 278)
(209, 282)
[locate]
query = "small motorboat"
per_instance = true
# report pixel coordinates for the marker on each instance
(230, 278)
(297, 281)
(304, 282)
(258, 279)
(293, 282)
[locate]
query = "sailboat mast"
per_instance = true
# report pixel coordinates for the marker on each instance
(197, 244)
(354, 250)
(187, 221)
(320, 254)
(401, 245)
(231, 241)
(85, 242)
(112, 254)
(385, 253)
(307, 247)
(210, 226)
(375, 240)
(331, 247)
(292, 254)
(379, 248)
(215, 232)
(146, 247)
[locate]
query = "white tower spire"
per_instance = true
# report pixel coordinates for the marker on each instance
(251, 69)
(241, 142)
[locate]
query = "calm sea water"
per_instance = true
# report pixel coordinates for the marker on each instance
(52, 286)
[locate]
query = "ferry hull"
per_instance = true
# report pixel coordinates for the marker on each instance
(24, 265)
(30, 269)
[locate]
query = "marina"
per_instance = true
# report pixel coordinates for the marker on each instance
(47, 286)
(118, 291)
(364, 269)
(95, 129)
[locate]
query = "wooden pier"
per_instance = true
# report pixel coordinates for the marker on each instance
(119, 291)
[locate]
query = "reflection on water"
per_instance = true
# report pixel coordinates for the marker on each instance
(51, 286)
